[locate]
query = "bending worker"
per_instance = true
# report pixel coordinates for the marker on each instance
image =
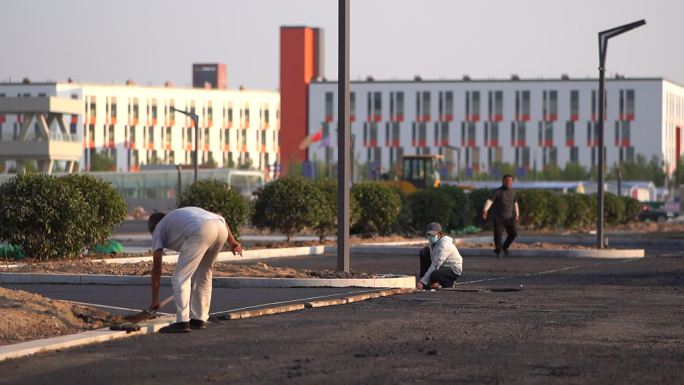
(440, 262)
(198, 235)
(506, 214)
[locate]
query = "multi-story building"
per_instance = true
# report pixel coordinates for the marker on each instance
(475, 124)
(136, 125)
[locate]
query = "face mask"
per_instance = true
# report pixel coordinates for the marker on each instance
(432, 239)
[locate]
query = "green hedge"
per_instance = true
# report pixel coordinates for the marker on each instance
(325, 224)
(50, 217)
(446, 205)
(581, 210)
(218, 197)
(632, 209)
(108, 207)
(377, 206)
(289, 205)
(476, 201)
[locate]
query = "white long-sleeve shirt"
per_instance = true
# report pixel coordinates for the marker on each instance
(444, 254)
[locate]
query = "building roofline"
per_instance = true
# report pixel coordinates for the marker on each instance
(521, 80)
(123, 85)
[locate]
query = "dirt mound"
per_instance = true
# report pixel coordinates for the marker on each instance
(221, 269)
(25, 316)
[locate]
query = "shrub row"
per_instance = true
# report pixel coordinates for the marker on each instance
(51, 217)
(380, 209)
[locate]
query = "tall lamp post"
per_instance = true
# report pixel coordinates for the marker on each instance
(603, 37)
(195, 120)
(343, 137)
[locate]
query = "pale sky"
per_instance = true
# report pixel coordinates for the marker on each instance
(152, 41)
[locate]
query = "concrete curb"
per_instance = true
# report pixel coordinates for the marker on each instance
(312, 304)
(73, 340)
(249, 255)
(583, 253)
(29, 348)
(388, 281)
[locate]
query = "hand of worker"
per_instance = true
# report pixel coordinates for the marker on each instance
(237, 248)
(484, 215)
(420, 285)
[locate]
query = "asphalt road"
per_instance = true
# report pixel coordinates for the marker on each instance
(579, 321)
(125, 299)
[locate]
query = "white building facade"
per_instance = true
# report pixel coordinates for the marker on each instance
(476, 124)
(136, 125)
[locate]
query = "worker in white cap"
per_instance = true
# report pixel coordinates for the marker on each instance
(440, 262)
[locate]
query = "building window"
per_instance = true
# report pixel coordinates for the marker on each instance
(522, 105)
(570, 134)
(328, 106)
(495, 106)
(574, 105)
(352, 106)
(449, 107)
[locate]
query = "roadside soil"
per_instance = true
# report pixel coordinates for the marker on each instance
(221, 269)
(26, 316)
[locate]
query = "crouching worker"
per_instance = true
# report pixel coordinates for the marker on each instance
(440, 263)
(198, 235)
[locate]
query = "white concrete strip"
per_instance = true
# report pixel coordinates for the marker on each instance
(384, 281)
(290, 301)
(577, 253)
(63, 342)
(402, 248)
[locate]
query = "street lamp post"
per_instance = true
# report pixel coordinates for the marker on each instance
(195, 120)
(603, 37)
(343, 137)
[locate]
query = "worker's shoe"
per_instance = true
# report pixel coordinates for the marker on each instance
(177, 327)
(505, 253)
(198, 324)
(499, 253)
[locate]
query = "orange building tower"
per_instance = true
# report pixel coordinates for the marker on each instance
(301, 61)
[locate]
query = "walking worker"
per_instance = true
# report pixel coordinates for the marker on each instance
(440, 262)
(198, 235)
(505, 215)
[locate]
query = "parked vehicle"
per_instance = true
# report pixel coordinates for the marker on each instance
(650, 214)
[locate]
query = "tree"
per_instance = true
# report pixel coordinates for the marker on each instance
(288, 204)
(640, 169)
(100, 161)
(574, 171)
(218, 197)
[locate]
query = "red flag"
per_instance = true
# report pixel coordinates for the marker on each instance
(313, 138)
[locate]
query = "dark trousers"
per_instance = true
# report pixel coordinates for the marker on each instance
(499, 226)
(444, 275)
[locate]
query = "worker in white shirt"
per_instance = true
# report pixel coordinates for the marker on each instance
(440, 262)
(198, 235)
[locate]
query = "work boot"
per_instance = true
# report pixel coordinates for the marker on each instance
(198, 324)
(177, 327)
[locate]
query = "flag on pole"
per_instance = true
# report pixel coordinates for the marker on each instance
(313, 138)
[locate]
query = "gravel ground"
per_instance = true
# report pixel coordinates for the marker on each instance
(588, 322)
